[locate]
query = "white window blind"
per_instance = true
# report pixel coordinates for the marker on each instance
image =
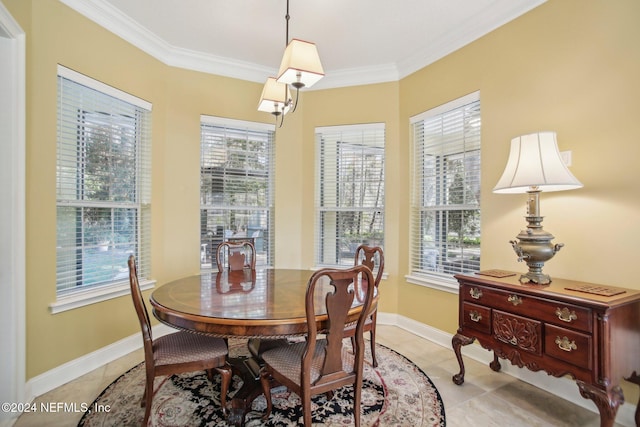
(103, 184)
(445, 204)
(236, 186)
(349, 191)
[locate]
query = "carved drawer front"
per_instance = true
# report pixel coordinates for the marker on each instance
(476, 317)
(569, 346)
(520, 332)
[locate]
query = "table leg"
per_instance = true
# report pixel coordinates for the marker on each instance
(457, 342)
(607, 402)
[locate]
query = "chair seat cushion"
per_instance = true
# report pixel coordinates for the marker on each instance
(352, 326)
(184, 347)
(287, 360)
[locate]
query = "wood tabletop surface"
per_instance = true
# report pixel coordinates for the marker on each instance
(249, 303)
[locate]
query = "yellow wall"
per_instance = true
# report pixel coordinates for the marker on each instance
(59, 35)
(569, 66)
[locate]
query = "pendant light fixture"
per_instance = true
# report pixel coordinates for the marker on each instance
(300, 67)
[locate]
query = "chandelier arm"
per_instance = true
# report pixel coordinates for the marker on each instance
(296, 103)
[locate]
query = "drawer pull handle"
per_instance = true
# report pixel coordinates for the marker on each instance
(565, 315)
(514, 299)
(514, 340)
(566, 345)
(475, 316)
(475, 293)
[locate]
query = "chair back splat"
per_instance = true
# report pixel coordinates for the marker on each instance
(321, 363)
(372, 257)
(236, 256)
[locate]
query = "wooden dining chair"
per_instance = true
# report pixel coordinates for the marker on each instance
(321, 364)
(372, 257)
(177, 352)
(236, 256)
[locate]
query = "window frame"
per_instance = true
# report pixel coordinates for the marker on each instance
(81, 295)
(437, 280)
(264, 243)
(355, 138)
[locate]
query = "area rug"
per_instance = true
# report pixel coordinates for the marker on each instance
(396, 393)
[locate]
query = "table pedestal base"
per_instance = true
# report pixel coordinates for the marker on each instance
(249, 370)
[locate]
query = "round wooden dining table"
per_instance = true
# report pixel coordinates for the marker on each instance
(262, 303)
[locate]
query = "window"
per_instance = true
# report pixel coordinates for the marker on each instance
(445, 205)
(102, 184)
(236, 186)
(349, 191)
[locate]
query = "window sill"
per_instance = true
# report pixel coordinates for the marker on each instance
(439, 283)
(92, 296)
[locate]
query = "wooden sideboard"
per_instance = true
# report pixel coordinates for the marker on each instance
(593, 338)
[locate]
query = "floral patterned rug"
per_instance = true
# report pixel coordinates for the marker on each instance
(396, 393)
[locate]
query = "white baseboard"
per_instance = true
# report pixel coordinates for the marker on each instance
(561, 387)
(69, 371)
(564, 388)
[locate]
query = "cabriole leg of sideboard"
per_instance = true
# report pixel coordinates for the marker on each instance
(607, 402)
(457, 342)
(495, 365)
(635, 378)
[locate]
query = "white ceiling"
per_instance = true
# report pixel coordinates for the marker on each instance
(359, 41)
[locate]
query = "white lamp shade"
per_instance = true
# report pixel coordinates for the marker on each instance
(275, 97)
(300, 57)
(534, 161)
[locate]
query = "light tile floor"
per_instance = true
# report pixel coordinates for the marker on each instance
(486, 399)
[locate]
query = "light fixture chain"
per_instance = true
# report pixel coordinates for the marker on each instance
(286, 41)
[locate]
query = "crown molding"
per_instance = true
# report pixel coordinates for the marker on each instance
(475, 28)
(228, 67)
(358, 76)
(9, 28)
(112, 19)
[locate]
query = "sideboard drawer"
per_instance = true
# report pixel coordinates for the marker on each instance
(567, 315)
(569, 346)
(476, 317)
(556, 312)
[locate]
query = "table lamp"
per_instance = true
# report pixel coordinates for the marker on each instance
(534, 166)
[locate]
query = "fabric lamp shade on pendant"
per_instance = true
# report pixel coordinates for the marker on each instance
(275, 97)
(535, 165)
(300, 66)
